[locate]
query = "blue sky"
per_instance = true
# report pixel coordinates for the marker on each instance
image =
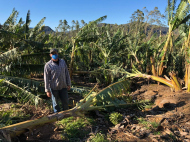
(117, 11)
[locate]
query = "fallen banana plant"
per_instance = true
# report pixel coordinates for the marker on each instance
(23, 82)
(24, 96)
(173, 82)
(109, 96)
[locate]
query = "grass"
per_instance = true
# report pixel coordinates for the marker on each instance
(144, 122)
(148, 125)
(99, 137)
(75, 128)
(157, 133)
(12, 116)
(154, 124)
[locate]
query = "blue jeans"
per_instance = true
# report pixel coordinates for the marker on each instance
(61, 95)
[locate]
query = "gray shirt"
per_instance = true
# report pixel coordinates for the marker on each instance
(56, 76)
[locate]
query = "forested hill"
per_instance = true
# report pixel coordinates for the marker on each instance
(164, 30)
(48, 30)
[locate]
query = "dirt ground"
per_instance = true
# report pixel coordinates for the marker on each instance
(170, 112)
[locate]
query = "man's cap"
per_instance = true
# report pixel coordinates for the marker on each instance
(53, 50)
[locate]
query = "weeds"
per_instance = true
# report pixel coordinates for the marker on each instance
(144, 122)
(154, 124)
(147, 124)
(115, 117)
(99, 137)
(11, 116)
(75, 128)
(157, 133)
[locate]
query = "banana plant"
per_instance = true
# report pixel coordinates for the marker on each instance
(176, 17)
(11, 32)
(8, 59)
(140, 41)
(185, 30)
(111, 48)
(108, 45)
(85, 34)
(24, 96)
(173, 83)
(34, 39)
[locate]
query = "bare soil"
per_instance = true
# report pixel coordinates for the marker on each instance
(170, 111)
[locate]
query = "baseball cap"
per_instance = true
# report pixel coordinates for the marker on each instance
(53, 50)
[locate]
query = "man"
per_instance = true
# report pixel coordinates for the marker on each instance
(57, 81)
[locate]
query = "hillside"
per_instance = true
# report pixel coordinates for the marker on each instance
(164, 30)
(48, 30)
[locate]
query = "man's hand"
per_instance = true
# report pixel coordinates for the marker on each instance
(48, 94)
(68, 88)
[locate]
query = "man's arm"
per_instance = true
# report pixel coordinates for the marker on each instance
(46, 81)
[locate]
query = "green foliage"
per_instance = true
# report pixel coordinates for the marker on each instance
(109, 73)
(107, 50)
(157, 133)
(145, 105)
(81, 90)
(115, 118)
(144, 122)
(12, 116)
(148, 105)
(149, 125)
(28, 84)
(35, 58)
(22, 95)
(98, 137)
(75, 128)
(154, 124)
(9, 56)
(1, 80)
(109, 96)
(181, 15)
(8, 59)
(5, 94)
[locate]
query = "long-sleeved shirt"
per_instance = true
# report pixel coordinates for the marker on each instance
(56, 76)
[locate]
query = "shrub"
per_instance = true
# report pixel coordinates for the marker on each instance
(115, 117)
(75, 129)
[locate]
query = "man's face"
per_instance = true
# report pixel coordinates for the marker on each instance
(53, 55)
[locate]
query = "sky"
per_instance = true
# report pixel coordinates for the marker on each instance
(117, 11)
